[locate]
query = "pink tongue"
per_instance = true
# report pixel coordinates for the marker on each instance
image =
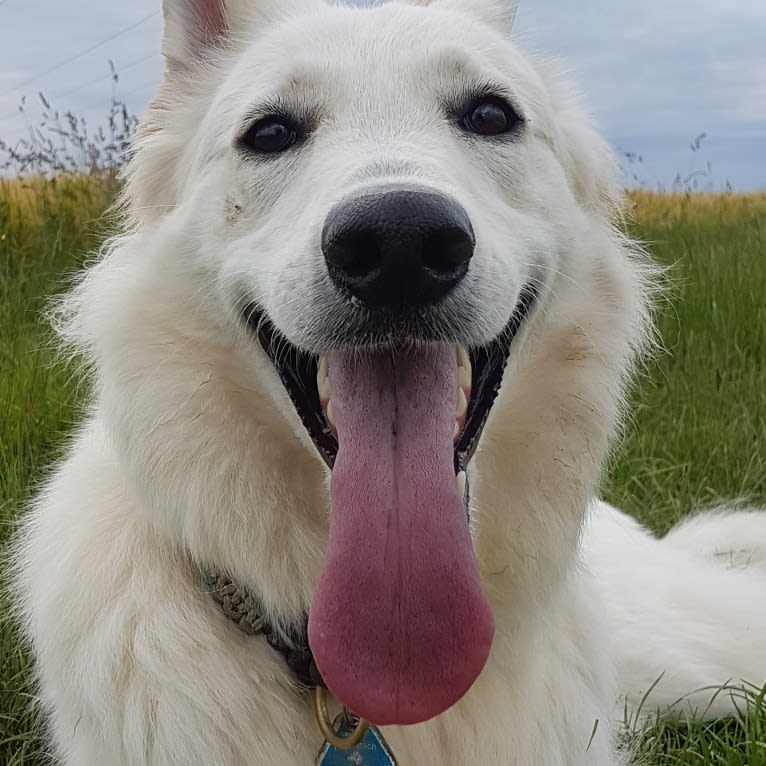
(399, 625)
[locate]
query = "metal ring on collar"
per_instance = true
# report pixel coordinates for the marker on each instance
(342, 742)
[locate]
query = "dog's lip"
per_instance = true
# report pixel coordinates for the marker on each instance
(488, 363)
(297, 369)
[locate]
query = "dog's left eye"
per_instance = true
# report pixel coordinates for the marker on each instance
(490, 116)
(270, 135)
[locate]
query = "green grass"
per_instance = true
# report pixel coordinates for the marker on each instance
(735, 741)
(46, 228)
(696, 435)
(697, 429)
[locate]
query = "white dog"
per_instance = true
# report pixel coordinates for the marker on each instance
(345, 227)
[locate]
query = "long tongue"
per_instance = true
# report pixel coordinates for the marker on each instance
(399, 625)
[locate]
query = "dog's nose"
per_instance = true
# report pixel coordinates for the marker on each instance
(398, 249)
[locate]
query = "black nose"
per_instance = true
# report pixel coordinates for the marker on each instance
(398, 249)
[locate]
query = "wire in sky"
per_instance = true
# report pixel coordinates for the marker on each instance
(143, 86)
(79, 55)
(114, 76)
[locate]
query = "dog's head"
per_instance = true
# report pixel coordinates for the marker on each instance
(372, 207)
(366, 177)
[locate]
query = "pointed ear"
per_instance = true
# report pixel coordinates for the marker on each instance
(499, 14)
(193, 28)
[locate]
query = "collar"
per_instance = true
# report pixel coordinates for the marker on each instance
(246, 612)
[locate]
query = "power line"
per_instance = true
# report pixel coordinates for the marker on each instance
(114, 76)
(131, 64)
(119, 97)
(140, 87)
(116, 72)
(79, 55)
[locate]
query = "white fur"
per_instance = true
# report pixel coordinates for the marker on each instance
(192, 452)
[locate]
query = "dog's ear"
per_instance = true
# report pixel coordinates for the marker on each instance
(191, 29)
(195, 28)
(498, 14)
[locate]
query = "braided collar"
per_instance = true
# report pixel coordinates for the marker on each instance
(244, 610)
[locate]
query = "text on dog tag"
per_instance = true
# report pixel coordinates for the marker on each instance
(373, 750)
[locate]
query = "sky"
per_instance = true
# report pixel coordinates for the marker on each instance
(656, 74)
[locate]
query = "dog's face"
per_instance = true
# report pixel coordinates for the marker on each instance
(312, 112)
(378, 201)
(362, 113)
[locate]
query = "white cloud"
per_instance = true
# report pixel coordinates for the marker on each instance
(657, 73)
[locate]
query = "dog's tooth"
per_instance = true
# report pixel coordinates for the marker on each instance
(461, 479)
(323, 380)
(456, 431)
(461, 403)
(328, 413)
(464, 378)
(463, 369)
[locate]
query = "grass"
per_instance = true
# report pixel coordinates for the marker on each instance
(735, 741)
(696, 434)
(46, 227)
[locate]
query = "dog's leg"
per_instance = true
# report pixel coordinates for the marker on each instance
(734, 539)
(680, 626)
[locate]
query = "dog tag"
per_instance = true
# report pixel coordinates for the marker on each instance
(371, 751)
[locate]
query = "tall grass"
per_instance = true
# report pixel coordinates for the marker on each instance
(46, 228)
(697, 431)
(65, 143)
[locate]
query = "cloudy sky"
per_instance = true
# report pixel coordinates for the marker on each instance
(656, 73)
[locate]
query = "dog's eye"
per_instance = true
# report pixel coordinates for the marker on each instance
(490, 116)
(270, 135)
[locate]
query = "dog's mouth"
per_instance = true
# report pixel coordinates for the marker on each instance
(399, 625)
(305, 377)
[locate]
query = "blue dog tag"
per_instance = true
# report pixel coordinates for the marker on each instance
(371, 751)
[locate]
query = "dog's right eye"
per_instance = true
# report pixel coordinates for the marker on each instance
(490, 116)
(270, 135)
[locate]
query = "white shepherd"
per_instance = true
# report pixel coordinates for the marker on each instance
(357, 358)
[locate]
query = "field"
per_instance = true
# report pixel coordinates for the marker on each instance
(696, 434)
